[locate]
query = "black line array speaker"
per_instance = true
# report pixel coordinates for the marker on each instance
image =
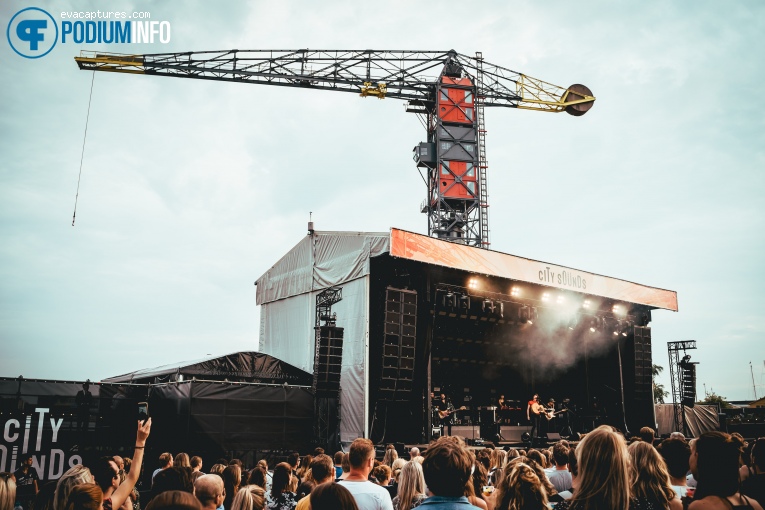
(399, 339)
(643, 363)
(328, 361)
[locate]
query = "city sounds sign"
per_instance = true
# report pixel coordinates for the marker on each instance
(37, 435)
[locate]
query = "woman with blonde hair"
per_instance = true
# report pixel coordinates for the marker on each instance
(603, 473)
(252, 497)
(650, 478)
(521, 489)
(411, 487)
(390, 455)
(182, 460)
(7, 491)
(75, 475)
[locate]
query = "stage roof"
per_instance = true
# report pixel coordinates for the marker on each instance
(417, 247)
(247, 366)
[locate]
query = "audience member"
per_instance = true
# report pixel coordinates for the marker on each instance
(647, 434)
(293, 459)
(115, 494)
(676, 454)
(251, 497)
(217, 469)
(7, 491)
(174, 500)
(521, 489)
(447, 466)
(414, 452)
(651, 485)
(390, 455)
(232, 479)
(75, 475)
(182, 460)
(368, 496)
(171, 479)
(27, 482)
(332, 496)
(560, 477)
(754, 484)
(322, 471)
(480, 479)
(345, 465)
(196, 468)
(338, 464)
(258, 476)
(86, 496)
(210, 491)
(714, 463)
(44, 499)
(165, 461)
(305, 465)
(603, 480)
(411, 487)
(280, 497)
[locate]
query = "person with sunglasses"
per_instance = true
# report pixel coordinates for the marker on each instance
(106, 472)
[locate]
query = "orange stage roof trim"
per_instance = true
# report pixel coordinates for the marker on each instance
(426, 249)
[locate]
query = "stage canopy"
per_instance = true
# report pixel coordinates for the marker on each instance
(251, 367)
(428, 250)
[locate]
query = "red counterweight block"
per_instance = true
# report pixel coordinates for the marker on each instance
(456, 104)
(457, 179)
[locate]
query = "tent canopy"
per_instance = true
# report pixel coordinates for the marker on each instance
(248, 366)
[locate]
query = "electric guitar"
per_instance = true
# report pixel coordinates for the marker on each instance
(551, 414)
(447, 412)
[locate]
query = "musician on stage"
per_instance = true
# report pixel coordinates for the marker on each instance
(534, 412)
(445, 409)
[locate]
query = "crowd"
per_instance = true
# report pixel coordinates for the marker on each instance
(604, 471)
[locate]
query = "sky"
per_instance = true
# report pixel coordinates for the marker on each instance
(190, 190)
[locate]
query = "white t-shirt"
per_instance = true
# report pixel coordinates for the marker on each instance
(368, 496)
(561, 479)
(681, 490)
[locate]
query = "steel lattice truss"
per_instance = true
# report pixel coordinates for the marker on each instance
(414, 76)
(408, 75)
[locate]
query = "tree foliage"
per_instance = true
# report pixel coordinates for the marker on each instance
(659, 393)
(713, 398)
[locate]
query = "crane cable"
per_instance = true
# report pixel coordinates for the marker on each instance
(82, 155)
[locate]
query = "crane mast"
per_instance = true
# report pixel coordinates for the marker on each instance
(447, 89)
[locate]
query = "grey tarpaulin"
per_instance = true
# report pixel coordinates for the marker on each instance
(287, 295)
(254, 367)
(699, 419)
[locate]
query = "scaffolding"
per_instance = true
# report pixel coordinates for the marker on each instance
(679, 390)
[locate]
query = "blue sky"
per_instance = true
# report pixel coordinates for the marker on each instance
(190, 190)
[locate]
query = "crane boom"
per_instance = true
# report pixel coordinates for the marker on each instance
(449, 89)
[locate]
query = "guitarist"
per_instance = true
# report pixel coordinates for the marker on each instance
(445, 409)
(534, 412)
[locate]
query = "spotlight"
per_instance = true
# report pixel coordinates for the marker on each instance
(473, 283)
(625, 329)
(572, 323)
(586, 304)
(620, 310)
(534, 315)
(595, 324)
(515, 292)
(560, 299)
(617, 327)
(546, 296)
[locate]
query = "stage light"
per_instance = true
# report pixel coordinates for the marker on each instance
(560, 299)
(572, 323)
(488, 305)
(620, 310)
(465, 302)
(545, 296)
(586, 304)
(595, 324)
(473, 283)
(515, 292)
(617, 327)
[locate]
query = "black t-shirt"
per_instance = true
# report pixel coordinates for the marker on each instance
(25, 482)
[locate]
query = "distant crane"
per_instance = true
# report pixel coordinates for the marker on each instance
(447, 89)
